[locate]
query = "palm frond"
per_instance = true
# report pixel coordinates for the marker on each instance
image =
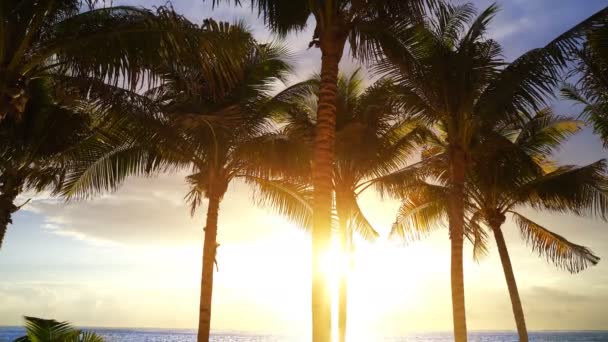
(117, 44)
(39, 329)
(592, 112)
(271, 156)
(396, 184)
(103, 167)
(287, 198)
(281, 16)
(42, 330)
(522, 87)
(422, 211)
(477, 235)
(581, 190)
(357, 221)
(546, 132)
(555, 248)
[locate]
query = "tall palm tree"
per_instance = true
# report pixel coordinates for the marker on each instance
(372, 142)
(221, 154)
(451, 76)
(215, 135)
(362, 24)
(48, 330)
(511, 170)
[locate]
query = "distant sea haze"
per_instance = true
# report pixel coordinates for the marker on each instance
(9, 334)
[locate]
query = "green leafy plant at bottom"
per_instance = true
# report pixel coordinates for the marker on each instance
(49, 330)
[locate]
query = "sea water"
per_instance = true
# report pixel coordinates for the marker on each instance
(8, 334)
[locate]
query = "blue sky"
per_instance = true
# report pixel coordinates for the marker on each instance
(133, 258)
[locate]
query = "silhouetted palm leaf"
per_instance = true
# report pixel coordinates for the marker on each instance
(45, 330)
(554, 247)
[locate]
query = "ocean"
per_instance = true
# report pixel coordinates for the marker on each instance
(8, 334)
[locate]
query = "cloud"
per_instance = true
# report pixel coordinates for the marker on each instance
(143, 209)
(153, 210)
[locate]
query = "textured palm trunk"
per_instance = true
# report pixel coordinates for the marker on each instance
(345, 237)
(10, 188)
(322, 173)
(209, 254)
(456, 218)
(518, 310)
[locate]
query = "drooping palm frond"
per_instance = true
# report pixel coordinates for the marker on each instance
(423, 210)
(294, 95)
(553, 247)
(38, 329)
(106, 172)
(546, 132)
(477, 235)
(349, 210)
(396, 184)
(287, 198)
(581, 190)
(273, 156)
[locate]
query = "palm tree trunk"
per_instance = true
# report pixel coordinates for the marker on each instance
(209, 253)
(10, 187)
(345, 237)
(518, 310)
(456, 218)
(322, 176)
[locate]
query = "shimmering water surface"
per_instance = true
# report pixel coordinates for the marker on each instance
(8, 334)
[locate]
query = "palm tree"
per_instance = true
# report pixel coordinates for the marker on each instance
(451, 76)
(512, 169)
(362, 24)
(35, 149)
(100, 57)
(222, 154)
(48, 330)
(217, 135)
(372, 142)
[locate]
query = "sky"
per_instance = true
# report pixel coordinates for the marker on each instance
(133, 258)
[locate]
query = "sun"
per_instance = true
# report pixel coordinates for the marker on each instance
(377, 285)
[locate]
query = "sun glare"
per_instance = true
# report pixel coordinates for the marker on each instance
(376, 285)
